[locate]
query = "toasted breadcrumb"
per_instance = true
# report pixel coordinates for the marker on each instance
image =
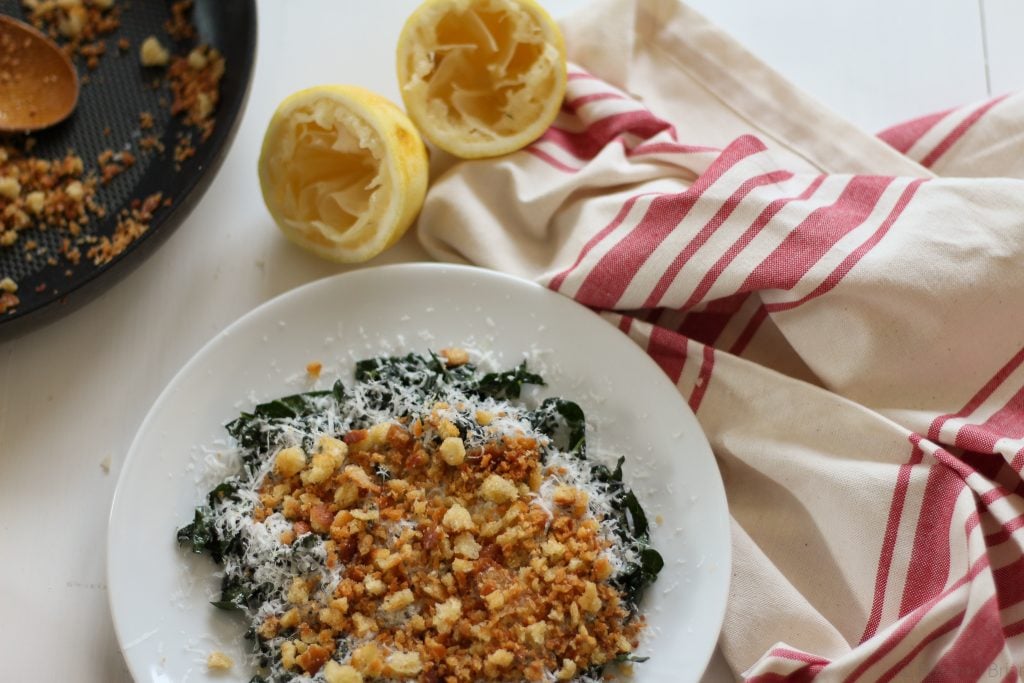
(218, 661)
(479, 583)
(43, 193)
(454, 357)
(195, 86)
(179, 26)
(8, 302)
(153, 53)
(78, 26)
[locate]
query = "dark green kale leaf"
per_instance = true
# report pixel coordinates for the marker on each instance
(239, 593)
(626, 657)
(227, 490)
(305, 542)
(233, 594)
(651, 562)
(597, 671)
(257, 432)
(411, 370)
(245, 431)
(200, 534)
(338, 391)
(564, 423)
(633, 524)
(508, 384)
(637, 518)
(296, 405)
(605, 476)
(426, 375)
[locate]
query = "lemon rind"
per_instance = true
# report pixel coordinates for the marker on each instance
(402, 170)
(454, 140)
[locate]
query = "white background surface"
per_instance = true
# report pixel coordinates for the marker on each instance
(74, 392)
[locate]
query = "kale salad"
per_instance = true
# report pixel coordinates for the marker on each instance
(424, 522)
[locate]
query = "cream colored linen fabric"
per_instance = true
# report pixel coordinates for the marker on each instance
(843, 313)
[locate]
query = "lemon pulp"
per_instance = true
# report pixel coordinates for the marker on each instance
(343, 171)
(481, 77)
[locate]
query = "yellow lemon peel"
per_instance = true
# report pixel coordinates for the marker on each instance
(343, 171)
(481, 78)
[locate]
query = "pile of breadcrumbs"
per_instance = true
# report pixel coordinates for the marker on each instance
(451, 566)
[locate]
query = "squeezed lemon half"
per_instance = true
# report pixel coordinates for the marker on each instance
(343, 171)
(481, 78)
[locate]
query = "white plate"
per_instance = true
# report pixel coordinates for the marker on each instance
(159, 593)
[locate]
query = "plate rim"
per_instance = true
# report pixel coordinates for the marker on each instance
(724, 586)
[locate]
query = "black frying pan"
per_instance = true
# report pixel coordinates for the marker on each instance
(112, 98)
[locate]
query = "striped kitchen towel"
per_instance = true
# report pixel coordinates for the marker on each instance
(843, 312)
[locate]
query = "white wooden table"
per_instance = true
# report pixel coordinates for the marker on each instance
(73, 393)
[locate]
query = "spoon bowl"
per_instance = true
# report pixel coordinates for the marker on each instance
(38, 82)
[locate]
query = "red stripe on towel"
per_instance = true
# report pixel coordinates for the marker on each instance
(959, 132)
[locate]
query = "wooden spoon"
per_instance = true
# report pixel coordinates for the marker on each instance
(38, 83)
